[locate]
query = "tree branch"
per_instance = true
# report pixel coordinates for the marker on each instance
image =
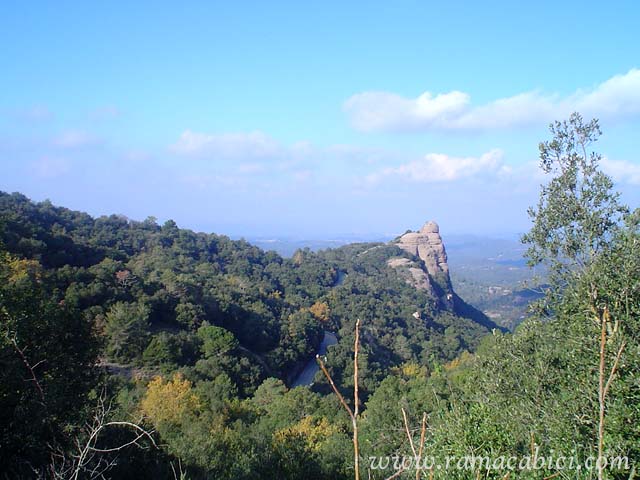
(29, 367)
(333, 386)
(353, 414)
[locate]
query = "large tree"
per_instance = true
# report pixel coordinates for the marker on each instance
(579, 233)
(578, 211)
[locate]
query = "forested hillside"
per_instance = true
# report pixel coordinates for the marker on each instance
(132, 301)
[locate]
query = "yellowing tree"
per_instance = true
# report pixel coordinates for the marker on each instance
(21, 270)
(314, 432)
(170, 401)
(412, 370)
(320, 310)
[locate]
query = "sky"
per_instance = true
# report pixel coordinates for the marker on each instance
(310, 119)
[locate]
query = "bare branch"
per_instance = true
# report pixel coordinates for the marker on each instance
(353, 414)
(423, 430)
(356, 348)
(604, 318)
(333, 386)
(89, 461)
(29, 367)
(406, 428)
(397, 474)
(614, 368)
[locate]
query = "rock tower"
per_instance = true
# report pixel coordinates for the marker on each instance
(427, 245)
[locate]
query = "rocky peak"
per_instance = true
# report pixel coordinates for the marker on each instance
(430, 227)
(427, 245)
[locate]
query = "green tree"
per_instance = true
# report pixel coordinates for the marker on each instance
(47, 358)
(163, 349)
(126, 330)
(216, 340)
(578, 223)
(578, 211)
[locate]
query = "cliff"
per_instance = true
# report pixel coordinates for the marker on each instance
(427, 245)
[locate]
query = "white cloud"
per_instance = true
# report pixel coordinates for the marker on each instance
(76, 139)
(250, 168)
(202, 181)
(227, 145)
(617, 97)
(302, 176)
(246, 158)
(439, 167)
(136, 155)
(354, 154)
(250, 151)
(622, 171)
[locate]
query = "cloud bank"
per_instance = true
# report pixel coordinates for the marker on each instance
(227, 145)
(616, 98)
(71, 139)
(237, 156)
(622, 171)
(439, 167)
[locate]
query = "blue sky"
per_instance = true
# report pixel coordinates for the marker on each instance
(313, 119)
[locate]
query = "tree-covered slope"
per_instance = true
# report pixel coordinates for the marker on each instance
(215, 318)
(148, 289)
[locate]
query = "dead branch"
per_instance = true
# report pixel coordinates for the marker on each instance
(614, 369)
(397, 474)
(353, 414)
(333, 386)
(604, 381)
(89, 461)
(356, 348)
(423, 430)
(406, 428)
(416, 455)
(31, 368)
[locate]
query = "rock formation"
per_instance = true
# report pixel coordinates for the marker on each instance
(427, 245)
(428, 270)
(415, 273)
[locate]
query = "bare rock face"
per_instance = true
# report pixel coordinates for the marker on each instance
(430, 227)
(427, 245)
(428, 270)
(414, 274)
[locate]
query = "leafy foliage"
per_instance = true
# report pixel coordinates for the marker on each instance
(578, 211)
(47, 354)
(195, 329)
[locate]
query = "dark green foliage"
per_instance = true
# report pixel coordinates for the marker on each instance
(143, 284)
(47, 357)
(164, 349)
(126, 330)
(227, 316)
(135, 279)
(386, 304)
(216, 341)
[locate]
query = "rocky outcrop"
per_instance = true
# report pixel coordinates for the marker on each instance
(427, 245)
(413, 273)
(427, 270)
